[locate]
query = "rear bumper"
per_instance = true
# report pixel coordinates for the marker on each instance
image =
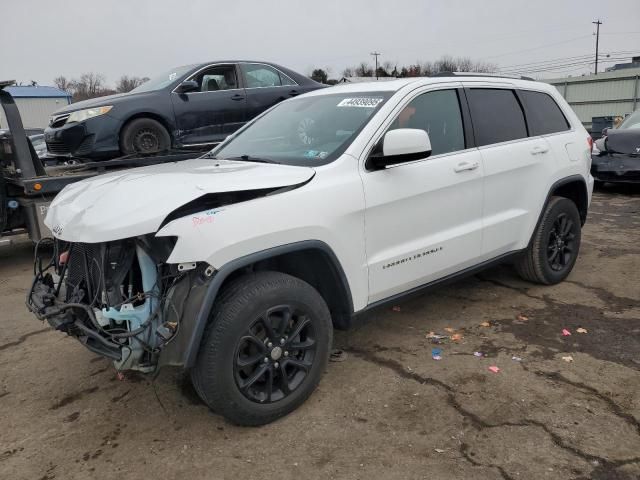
(616, 168)
(93, 138)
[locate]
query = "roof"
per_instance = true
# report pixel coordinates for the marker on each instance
(613, 75)
(397, 84)
(366, 79)
(36, 92)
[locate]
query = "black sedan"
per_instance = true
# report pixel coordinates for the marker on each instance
(193, 105)
(616, 156)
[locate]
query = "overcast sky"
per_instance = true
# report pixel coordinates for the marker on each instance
(41, 39)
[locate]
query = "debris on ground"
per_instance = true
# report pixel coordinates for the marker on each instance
(582, 330)
(337, 355)
(485, 324)
(516, 359)
(494, 369)
(522, 318)
(456, 337)
(568, 359)
(478, 354)
(436, 337)
(396, 309)
(120, 376)
(449, 329)
(439, 450)
(565, 332)
(436, 354)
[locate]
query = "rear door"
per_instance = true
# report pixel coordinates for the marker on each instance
(266, 86)
(217, 109)
(516, 168)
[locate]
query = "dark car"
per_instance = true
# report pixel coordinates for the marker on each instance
(616, 156)
(187, 106)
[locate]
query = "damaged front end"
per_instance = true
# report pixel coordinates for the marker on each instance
(120, 299)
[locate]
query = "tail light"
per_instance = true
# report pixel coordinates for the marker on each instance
(590, 143)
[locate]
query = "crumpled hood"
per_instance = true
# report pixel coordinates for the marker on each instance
(135, 202)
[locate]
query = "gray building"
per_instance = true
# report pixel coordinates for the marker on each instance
(36, 104)
(607, 94)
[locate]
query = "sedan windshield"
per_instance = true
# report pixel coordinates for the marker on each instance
(309, 131)
(632, 121)
(163, 80)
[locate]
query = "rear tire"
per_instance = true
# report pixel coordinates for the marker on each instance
(145, 136)
(265, 349)
(556, 242)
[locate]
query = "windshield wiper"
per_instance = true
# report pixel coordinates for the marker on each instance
(248, 158)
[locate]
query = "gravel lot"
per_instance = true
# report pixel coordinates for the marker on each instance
(388, 411)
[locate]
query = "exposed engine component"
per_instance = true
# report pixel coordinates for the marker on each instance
(115, 297)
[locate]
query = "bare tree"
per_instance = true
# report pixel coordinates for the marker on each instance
(90, 85)
(63, 83)
(127, 83)
(364, 70)
(348, 72)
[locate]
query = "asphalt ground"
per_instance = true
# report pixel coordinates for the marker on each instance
(560, 407)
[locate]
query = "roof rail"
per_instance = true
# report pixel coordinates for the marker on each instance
(476, 74)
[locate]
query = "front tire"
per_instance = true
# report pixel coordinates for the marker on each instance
(265, 348)
(556, 242)
(144, 136)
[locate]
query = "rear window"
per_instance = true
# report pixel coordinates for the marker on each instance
(543, 113)
(496, 115)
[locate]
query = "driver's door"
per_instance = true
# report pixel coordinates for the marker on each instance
(423, 219)
(215, 110)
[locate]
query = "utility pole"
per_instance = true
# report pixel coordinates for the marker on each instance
(376, 54)
(597, 24)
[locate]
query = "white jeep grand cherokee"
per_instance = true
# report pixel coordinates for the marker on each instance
(237, 265)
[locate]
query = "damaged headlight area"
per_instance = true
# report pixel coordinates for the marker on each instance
(120, 298)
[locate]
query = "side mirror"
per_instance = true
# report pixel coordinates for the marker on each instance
(188, 86)
(399, 146)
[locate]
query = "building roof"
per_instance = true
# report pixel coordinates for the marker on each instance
(23, 91)
(602, 76)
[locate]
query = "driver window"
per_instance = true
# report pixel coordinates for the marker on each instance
(438, 113)
(217, 78)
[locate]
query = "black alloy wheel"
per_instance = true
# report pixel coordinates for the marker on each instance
(275, 354)
(264, 349)
(561, 243)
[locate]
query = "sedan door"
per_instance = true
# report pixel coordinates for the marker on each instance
(215, 110)
(423, 219)
(266, 86)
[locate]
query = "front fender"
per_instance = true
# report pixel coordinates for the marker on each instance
(201, 291)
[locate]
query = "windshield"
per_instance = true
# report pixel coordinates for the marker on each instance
(164, 80)
(632, 121)
(307, 131)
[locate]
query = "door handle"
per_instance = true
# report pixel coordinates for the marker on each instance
(538, 150)
(237, 97)
(293, 93)
(464, 166)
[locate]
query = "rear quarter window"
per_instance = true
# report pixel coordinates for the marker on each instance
(496, 115)
(544, 116)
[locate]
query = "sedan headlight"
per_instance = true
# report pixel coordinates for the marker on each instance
(82, 115)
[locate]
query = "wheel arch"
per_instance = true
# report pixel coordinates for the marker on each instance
(326, 275)
(573, 187)
(147, 114)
